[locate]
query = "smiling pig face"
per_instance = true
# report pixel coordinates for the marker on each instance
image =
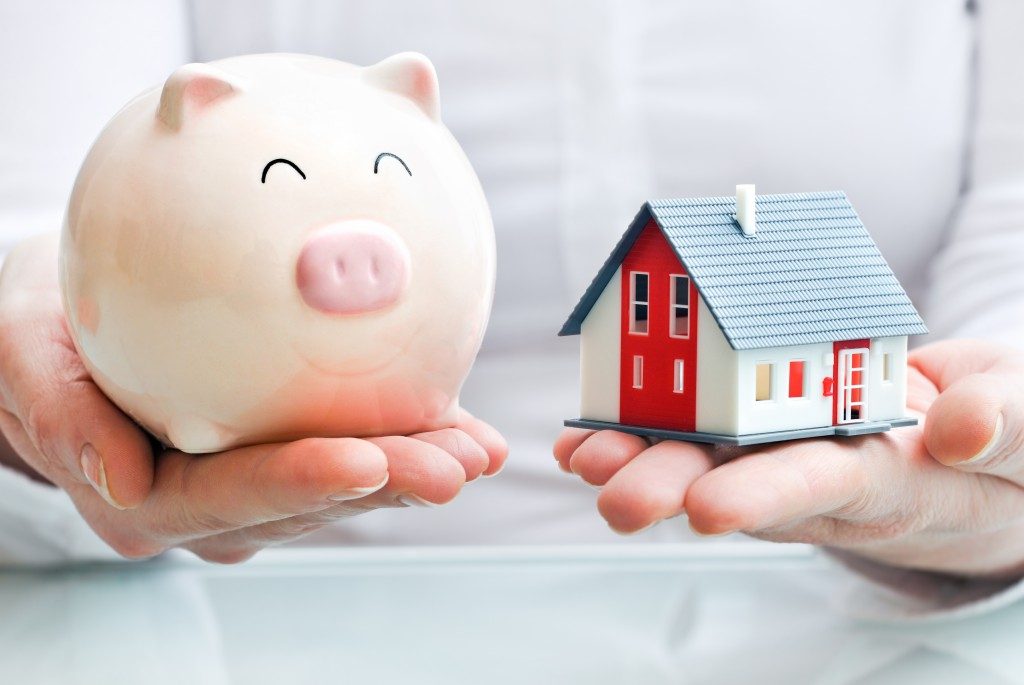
(278, 246)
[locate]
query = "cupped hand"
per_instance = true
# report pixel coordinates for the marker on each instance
(947, 495)
(142, 499)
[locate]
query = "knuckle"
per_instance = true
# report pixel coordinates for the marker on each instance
(622, 509)
(132, 545)
(190, 518)
(192, 522)
(885, 529)
(42, 424)
(295, 529)
(982, 507)
(879, 514)
(458, 444)
(49, 415)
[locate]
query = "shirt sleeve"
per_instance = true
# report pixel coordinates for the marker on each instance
(39, 526)
(976, 290)
(977, 283)
(67, 68)
(883, 593)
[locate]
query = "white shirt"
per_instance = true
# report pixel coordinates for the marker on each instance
(573, 115)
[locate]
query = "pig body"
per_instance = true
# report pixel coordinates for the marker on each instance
(272, 247)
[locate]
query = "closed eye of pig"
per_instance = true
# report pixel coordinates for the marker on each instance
(392, 155)
(293, 165)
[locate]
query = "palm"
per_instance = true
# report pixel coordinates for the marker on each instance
(903, 497)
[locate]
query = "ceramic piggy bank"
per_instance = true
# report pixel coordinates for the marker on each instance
(272, 247)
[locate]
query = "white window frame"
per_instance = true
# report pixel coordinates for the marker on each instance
(673, 306)
(679, 376)
(633, 302)
(887, 359)
(772, 384)
(638, 372)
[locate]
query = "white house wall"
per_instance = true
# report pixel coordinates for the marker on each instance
(600, 351)
(782, 412)
(717, 410)
(887, 399)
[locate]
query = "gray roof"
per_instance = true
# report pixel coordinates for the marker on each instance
(811, 273)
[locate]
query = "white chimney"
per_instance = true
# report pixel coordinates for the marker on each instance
(745, 208)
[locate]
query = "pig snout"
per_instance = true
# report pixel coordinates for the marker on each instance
(352, 267)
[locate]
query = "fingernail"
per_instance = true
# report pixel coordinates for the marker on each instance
(96, 474)
(990, 446)
(356, 493)
(411, 500)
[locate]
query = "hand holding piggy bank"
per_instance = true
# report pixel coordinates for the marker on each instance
(272, 247)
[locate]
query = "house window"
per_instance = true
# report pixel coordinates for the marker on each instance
(796, 378)
(763, 385)
(638, 372)
(677, 376)
(679, 315)
(639, 301)
(887, 367)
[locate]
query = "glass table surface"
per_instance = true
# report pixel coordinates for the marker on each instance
(650, 614)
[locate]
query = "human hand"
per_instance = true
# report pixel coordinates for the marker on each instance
(224, 507)
(946, 495)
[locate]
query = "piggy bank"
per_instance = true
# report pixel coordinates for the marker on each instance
(272, 247)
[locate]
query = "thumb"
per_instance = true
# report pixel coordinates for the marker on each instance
(975, 425)
(76, 433)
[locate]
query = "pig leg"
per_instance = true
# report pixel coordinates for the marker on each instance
(196, 435)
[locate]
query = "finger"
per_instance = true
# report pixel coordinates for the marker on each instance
(420, 474)
(459, 445)
(487, 437)
(196, 496)
(977, 425)
(568, 441)
(873, 479)
(921, 392)
(653, 485)
(946, 362)
(78, 433)
(602, 454)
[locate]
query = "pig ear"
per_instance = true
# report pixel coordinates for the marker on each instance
(191, 89)
(410, 75)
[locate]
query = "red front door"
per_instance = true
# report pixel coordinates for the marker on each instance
(658, 367)
(849, 374)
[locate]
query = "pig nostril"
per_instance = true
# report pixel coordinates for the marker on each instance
(374, 270)
(339, 268)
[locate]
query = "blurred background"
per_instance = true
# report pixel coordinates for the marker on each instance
(573, 114)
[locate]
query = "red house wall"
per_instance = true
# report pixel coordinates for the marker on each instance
(656, 405)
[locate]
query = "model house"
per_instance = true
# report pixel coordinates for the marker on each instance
(745, 320)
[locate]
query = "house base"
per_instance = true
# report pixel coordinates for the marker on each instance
(845, 430)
